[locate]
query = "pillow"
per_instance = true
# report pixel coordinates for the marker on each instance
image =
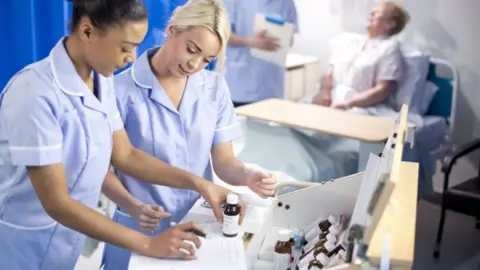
(343, 53)
(411, 90)
(429, 92)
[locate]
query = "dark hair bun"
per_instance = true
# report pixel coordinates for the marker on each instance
(106, 13)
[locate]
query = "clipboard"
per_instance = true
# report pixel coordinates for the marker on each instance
(278, 28)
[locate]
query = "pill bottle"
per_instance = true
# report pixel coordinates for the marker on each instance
(316, 242)
(314, 253)
(318, 263)
(322, 226)
(282, 256)
(231, 216)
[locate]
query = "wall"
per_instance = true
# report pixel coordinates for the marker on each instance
(443, 28)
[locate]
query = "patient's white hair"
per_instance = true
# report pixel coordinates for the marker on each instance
(211, 14)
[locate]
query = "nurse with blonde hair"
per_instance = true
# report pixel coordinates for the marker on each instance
(182, 114)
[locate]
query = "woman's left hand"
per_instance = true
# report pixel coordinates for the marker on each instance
(216, 196)
(262, 183)
(148, 216)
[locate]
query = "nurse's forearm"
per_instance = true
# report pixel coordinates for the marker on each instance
(232, 171)
(326, 82)
(115, 191)
(143, 166)
(80, 218)
(51, 188)
(237, 40)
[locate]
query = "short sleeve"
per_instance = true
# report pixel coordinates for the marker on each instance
(114, 116)
(292, 15)
(391, 66)
(227, 128)
(122, 108)
(32, 128)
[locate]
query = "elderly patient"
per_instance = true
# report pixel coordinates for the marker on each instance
(363, 75)
(365, 72)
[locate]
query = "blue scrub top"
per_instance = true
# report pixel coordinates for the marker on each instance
(182, 138)
(252, 79)
(48, 115)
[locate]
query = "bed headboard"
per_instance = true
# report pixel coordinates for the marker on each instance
(443, 74)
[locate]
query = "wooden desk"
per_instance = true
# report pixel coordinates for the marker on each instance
(301, 75)
(365, 128)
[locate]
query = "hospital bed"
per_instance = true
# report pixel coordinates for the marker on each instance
(273, 141)
(277, 138)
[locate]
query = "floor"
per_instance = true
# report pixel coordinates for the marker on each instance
(461, 241)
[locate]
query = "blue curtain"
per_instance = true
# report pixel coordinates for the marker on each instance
(30, 28)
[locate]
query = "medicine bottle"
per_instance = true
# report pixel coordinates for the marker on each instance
(320, 240)
(314, 253)
(318, 264)
(337, 259)
(292, 239)
(336, 250)
(282, 256)
(231, 216)
(316, 247)
(322, 226)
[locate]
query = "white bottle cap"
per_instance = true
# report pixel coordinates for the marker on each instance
(232, 198)
(315, 231)
(322, 258)
(329, 246)
(305, 260)
(334, 229)
(308, 246)
(331, 238)
(284, 235)
(333, 220)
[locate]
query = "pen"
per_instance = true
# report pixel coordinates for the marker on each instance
(194, 231)
(198, 233)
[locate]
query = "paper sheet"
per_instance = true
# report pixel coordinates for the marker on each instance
(284, 33)
(218, 253)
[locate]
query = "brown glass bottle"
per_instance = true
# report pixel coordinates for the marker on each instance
(320, 236)
(322, 226)
(315, 265)
(283, 251)
(231, 216)
(326, 248)
(318, 241)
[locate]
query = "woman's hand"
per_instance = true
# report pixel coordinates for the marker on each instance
(322, 98)
(175, 242)
(216, 196)
(262, 183)
(148, 216)
(263, 42)
(342, 106)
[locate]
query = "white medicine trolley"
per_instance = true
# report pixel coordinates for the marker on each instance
(380, 203)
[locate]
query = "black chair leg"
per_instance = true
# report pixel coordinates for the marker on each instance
(438, 244)
(477, 225)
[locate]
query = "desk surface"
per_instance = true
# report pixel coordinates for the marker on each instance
(321, 119)
(295, 60)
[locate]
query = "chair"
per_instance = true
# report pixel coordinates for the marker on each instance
(463, 198)
(442, 107)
